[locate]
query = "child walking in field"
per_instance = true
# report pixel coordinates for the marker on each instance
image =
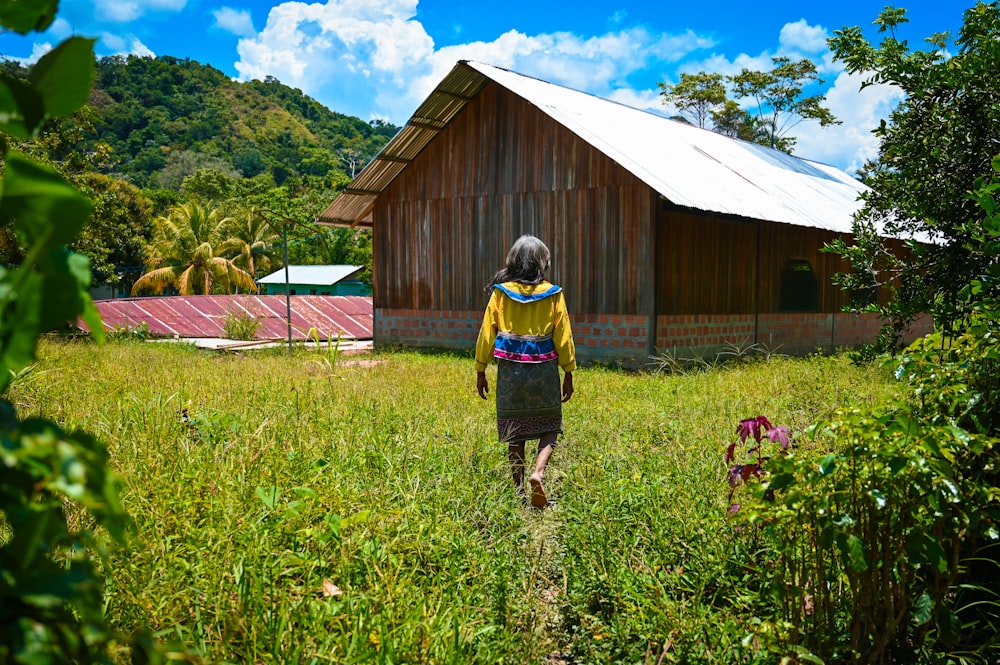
(526, 329)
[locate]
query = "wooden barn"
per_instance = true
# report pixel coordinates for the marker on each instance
(665, 237)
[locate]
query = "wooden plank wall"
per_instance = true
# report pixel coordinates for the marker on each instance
(500, 169)
(780, 242)
(707, 264)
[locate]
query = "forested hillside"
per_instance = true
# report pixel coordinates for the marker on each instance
(161, 133)
(157, 113)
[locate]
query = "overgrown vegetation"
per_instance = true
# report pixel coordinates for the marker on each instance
(304, 506)
(51, 592)
(292, 509)
(887, 548)
(935, 145)
(241, 325)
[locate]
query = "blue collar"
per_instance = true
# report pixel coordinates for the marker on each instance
(529, 297)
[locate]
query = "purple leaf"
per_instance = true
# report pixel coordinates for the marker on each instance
(754, 427)
(730, 452)
(745, 428)
(780, 435)
(736, 475)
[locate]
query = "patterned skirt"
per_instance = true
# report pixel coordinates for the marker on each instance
(529, 400)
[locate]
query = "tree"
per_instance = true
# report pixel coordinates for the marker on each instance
(735, 121)
(208, 184)
(939, 139)
(185, 163)
(778, 97)
(253, 244)
(185, 255)
(696, 96)
(352, 158)
(119, 230)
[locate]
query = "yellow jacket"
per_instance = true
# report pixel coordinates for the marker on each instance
(526, 323)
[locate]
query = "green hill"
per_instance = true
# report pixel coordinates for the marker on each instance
(158, 132)
(162, 118)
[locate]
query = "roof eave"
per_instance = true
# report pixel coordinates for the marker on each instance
(353, 207)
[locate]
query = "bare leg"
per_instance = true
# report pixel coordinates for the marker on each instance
(545, 447)
(515, 455)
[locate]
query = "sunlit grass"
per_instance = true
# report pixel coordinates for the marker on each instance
(293, 510)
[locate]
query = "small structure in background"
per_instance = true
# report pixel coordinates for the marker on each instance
(316, 281)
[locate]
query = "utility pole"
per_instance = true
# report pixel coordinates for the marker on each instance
(284, 221)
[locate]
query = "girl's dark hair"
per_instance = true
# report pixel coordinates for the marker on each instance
(527, 263)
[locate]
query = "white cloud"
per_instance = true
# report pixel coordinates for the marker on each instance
(60, 29)
(342, 48)
(37, 51)
(721, 64)
(117, 11)
(802, 37)
(618, 17)
(124, 11)
(125, 45)
(372, 58)
(235, 21)
(647, 100)
(850, 144)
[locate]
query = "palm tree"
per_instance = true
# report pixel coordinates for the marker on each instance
(184, 255)
(251, 243)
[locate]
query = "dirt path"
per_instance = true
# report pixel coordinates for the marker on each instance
(547, 585)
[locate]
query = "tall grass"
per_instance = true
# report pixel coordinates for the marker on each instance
(293, 511)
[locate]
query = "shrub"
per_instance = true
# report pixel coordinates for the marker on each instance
(754, 434)
(241, 326)
(138, 332)
(873, 544)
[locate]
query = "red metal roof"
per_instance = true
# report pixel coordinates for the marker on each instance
(205, 316)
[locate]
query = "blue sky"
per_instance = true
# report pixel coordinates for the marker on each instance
(380, 58)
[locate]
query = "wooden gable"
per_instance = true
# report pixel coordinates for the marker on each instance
(499, 169)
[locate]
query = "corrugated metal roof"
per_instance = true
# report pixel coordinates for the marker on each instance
(205, 316)
(689, 166)
(316, 275)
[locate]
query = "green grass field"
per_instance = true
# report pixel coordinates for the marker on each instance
(290, 509)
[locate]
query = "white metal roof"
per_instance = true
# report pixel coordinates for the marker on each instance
(689, 166)
(316, 275)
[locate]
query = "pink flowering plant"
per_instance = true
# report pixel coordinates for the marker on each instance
(759, 439)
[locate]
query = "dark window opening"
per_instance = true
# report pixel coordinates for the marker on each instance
(798, 287)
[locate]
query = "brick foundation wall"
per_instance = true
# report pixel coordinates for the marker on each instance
(611, 338)
(788, 333)
(599, 337)
(622, 338)
(427, 328)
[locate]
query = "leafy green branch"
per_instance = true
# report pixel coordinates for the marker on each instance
(51, 589)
